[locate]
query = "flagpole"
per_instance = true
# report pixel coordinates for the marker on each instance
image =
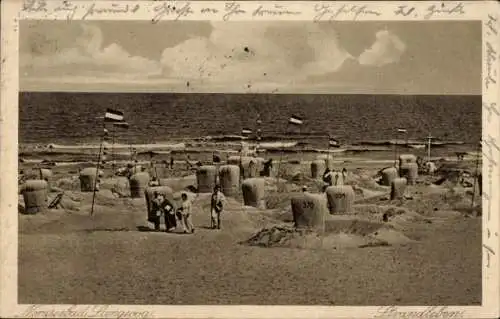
(328, 153)
(97, 167)
(241, 164)
(258, 134)
(113, 149)
(280, 160)
(429, 140)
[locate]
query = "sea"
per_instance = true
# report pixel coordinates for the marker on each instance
(72, 119)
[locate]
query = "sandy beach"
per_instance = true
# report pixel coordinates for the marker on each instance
(424, 249)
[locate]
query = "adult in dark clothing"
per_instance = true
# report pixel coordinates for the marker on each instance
(163, 207)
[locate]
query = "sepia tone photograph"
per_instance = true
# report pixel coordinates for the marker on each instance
(250, 163)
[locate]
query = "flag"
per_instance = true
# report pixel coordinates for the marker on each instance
(295, 120)
(333, 142)
(246, 131)
(113, 116)
(121, 124)
(401, 130)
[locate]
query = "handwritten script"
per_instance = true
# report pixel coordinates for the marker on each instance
(491, 58)
(165, 9)
(75, 311)
(330, 12)
(276, 10)
(431, 11)
(429, 312)
(444, 9)
(176, 10)
(114, 8)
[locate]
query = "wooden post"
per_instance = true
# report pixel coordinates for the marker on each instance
(429, 142)
(279, 163)
(97, 168)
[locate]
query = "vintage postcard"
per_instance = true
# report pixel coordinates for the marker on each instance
(209, 159)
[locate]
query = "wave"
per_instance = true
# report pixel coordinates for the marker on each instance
(409, 143)
(55, 147)
(225, 143)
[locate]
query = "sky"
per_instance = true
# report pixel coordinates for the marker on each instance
(438, 57)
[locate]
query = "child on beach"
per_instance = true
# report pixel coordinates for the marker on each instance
(216, 206)
(185, 212)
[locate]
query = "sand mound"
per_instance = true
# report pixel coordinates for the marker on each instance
(68, 183)
(339, 234)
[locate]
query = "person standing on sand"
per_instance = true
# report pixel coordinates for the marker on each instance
(216, 206)
(327, 177)
(157, 209)
(169, 211)
(185, 212)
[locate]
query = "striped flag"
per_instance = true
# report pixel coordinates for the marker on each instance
(121, 124)
(333, 142)
(295, 120)
(246, 131)
(113, 116)
(401, 130)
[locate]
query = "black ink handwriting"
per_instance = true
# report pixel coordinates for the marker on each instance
(434, 9)
(489, 252)
(404, 11)
(35, 6)
(277, 10)
(491, 144)
(232, 8)
(491, 57)
(69, 7)
(209, 10)
(491, 24)
(491, 108)
(165, 9)
(111, 9)
(327, 12)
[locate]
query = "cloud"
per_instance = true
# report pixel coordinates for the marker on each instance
(88, 57)
(387, 49)
(263, 52)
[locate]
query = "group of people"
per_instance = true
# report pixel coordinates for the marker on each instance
(164, 208)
